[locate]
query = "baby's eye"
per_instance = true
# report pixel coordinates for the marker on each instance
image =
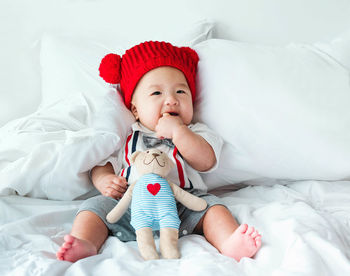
(180, 92)
(156, 93)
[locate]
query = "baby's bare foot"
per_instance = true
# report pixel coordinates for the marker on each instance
(74, 249)
(244, 242)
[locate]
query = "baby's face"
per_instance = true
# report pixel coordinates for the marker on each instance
(162, 90)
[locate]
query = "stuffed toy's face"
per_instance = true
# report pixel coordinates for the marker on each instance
(152, 161)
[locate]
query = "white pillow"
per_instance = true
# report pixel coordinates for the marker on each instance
(283, 111)
(49, 153)
(69, 65)
(338, 48)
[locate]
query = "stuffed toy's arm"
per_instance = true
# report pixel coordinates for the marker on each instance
(118, 211)
(192, 202)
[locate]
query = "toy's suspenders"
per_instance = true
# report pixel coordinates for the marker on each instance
(134, 137)
(133, 149)
(179, 169)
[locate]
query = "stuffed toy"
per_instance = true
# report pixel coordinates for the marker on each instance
(153, 204)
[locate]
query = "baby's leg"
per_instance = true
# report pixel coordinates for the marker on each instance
(231, 239)
(87, 236)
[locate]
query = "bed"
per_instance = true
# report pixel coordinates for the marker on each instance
(273, 83)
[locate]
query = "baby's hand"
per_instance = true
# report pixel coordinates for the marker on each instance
(112, 185)
(167, 125)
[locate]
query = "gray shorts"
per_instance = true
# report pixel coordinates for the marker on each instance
(102, 205)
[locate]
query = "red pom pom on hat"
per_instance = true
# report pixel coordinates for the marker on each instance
(110, 68)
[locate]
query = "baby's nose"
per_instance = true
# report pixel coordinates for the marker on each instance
(171, 100)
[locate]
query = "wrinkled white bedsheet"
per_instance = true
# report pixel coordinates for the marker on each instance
(305, 230)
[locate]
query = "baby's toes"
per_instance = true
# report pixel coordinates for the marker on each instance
(61, 250)
(250, 230)
(68, 242)
(69, 239)
(258, 241)
(60, 254)
(254, 234)
(66, 245)
(242, 228)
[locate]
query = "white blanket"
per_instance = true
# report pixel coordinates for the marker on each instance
(305, 229)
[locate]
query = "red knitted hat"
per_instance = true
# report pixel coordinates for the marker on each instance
(138, 60)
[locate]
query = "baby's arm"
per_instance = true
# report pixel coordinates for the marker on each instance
(108, 184)
(194, 148)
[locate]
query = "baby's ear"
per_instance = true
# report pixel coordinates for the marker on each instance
(133, 156)
(134, 111)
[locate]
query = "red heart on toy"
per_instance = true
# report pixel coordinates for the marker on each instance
(153, 188)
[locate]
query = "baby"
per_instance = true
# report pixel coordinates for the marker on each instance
(157, 80)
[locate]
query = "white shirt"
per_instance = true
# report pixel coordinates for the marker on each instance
(182, 174)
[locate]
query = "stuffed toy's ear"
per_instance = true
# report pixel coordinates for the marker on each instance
(133, 156)
(171, 163)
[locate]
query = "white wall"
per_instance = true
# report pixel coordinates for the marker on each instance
(22, 23)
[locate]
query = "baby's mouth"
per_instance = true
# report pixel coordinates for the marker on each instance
(173, 113)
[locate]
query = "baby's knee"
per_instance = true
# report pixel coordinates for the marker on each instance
(211, 215)
(217, 209)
